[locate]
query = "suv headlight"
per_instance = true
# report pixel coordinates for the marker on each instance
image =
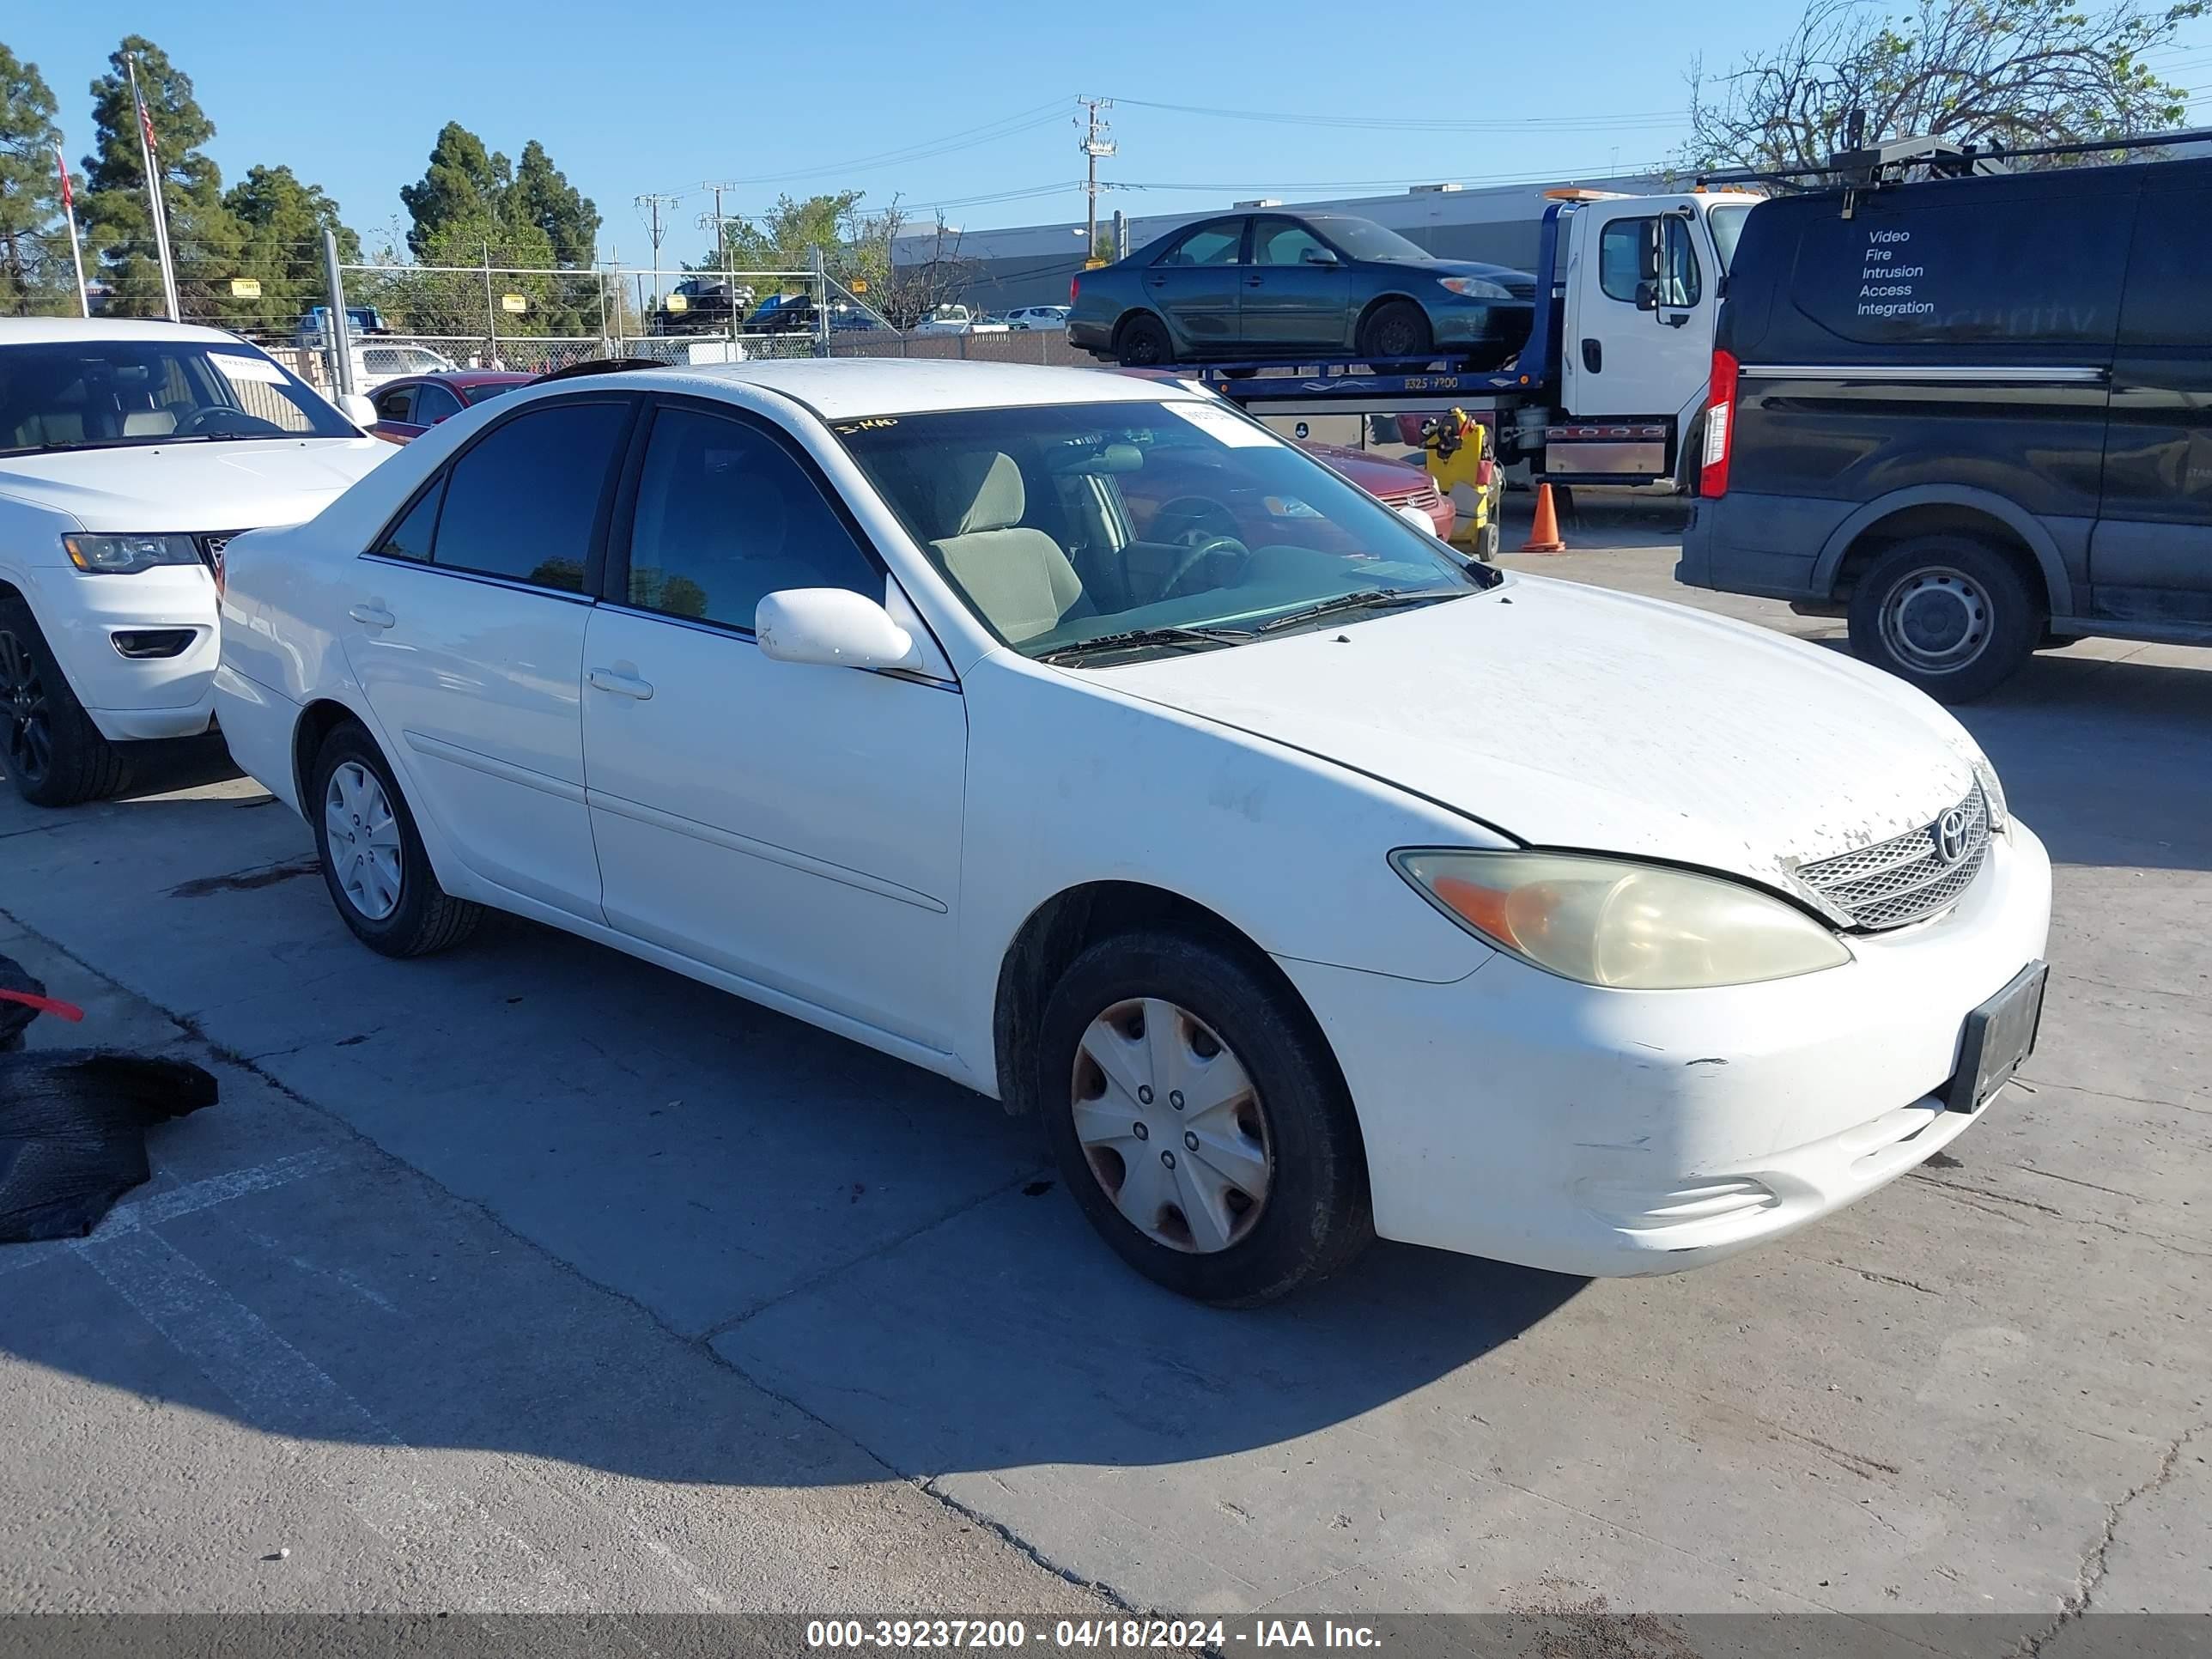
(1992, 793)
(122, 556)
(1476, 287)
(1617, 923)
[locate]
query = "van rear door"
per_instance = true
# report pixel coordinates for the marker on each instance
(2150, 558)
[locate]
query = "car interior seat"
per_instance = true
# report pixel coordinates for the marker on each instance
(1017, 577)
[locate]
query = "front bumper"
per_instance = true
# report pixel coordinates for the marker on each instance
(1517, 1115)
(132, 699)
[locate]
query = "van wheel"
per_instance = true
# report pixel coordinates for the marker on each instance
(54, 755)
(1198, 1117)
(374, 864)
(1951, 615)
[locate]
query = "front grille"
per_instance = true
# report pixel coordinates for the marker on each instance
(1425, 497)
(211, 549)
(1906, 878)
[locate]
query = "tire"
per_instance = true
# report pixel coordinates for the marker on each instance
(1488, 552)
(54, 755)
(1950, 615)
(421, 917)
(1291, 1132)
(1398, 328)
(1143, 342)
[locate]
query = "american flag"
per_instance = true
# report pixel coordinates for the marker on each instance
(146, 121)
(61, 160)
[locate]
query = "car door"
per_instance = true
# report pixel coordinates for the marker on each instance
(796, 826)
(467, 638)
(395, 414)
(1197, 286)
(2150, 555)
(1632, 349)
(1297, 290)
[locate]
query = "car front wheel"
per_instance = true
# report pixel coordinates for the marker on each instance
(373, 859)
(54, 754)
(1198, 1117)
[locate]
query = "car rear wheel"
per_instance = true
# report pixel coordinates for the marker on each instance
(1951, 615)
(373, 859)
(1196, 1114)
(1398, 329)
(1143, 342)
(54, 754)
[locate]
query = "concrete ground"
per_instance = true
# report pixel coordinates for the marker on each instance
(532, 1277)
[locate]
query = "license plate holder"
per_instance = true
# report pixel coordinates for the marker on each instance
(1998, 1037)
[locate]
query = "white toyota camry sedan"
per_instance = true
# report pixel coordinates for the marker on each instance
(1072, 736)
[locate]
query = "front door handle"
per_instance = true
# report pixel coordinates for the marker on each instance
(371, 615)
(623, 685)
(1593, 356)
(1256, 282)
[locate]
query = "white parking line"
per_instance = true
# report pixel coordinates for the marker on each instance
(167, 1205)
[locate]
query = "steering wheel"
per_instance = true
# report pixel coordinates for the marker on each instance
(214, 416)
(1204, 547)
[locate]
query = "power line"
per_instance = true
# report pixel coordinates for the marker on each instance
(926, 149)
(1619, 122)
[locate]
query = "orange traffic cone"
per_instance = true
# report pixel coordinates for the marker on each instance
(1544, 534)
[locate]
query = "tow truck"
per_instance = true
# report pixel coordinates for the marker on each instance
(1609, 388)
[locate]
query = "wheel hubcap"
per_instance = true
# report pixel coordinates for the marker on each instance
(1936, 620)
(1171, 1125)
(363, 840)
(26, 724)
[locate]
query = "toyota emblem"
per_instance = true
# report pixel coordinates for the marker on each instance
(1951, 836)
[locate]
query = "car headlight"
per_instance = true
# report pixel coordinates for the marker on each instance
(1992, 793)
(1620, 924)
(1476, 287)
(121, 556)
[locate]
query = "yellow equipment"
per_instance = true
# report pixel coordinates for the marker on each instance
(1454, 448)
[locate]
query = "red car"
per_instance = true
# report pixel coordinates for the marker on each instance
(1393, 483)
(409, 407)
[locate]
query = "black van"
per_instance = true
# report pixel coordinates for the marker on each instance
(1973, 413)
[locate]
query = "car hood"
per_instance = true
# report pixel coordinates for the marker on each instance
(1378, 475)
(1570, 717)
(246, 485)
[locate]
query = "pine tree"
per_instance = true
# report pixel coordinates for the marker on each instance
(282, 220)
(34, 262)
(542, 196)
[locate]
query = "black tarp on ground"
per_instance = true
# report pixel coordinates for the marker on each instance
(73, 1124)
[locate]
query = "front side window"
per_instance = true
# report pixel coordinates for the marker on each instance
(1625, 250)
(108, 393)
(433, 404)
(1285, 242)
(726, 516)
(1064, 526)
(1220, 243)
(523, 503)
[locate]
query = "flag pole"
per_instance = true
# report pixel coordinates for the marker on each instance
(69, 212)
(161, 212)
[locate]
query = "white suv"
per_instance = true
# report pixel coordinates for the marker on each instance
(130, 453)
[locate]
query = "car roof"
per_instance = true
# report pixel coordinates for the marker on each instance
(47, 330)
(462, 377)
(843, 388)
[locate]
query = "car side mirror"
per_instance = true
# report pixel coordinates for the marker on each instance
(357, 409)
(831, 628)
(1317, 256)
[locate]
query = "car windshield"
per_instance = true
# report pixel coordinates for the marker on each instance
(1069, 526)
(1728, 230)
(107, 393)
(485, 392)
(1363, 238)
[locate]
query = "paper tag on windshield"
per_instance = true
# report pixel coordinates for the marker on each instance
(1231, 429)
(239, 368)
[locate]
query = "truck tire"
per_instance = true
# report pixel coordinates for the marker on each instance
(53, 754)
(1398, 328)
(1947, 613)
(1143, 342)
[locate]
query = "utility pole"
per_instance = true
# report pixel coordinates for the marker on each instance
(651, 206)
(720, 223)
(1095, 144)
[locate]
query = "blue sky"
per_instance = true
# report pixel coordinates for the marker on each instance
(975, 111)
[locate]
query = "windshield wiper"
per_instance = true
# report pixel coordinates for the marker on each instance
(1370, 599)
(1137, 638)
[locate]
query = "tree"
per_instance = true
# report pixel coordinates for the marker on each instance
(204, 239)
(542, 196)
(282, 220)
(1981, 72)
(35, 266)
(463, 183)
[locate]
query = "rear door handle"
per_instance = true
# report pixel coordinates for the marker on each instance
(371, 615)
(623, 685)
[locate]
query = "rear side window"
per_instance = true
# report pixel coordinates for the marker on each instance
(1962, 263)
(2167, 269)
(523, 502)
